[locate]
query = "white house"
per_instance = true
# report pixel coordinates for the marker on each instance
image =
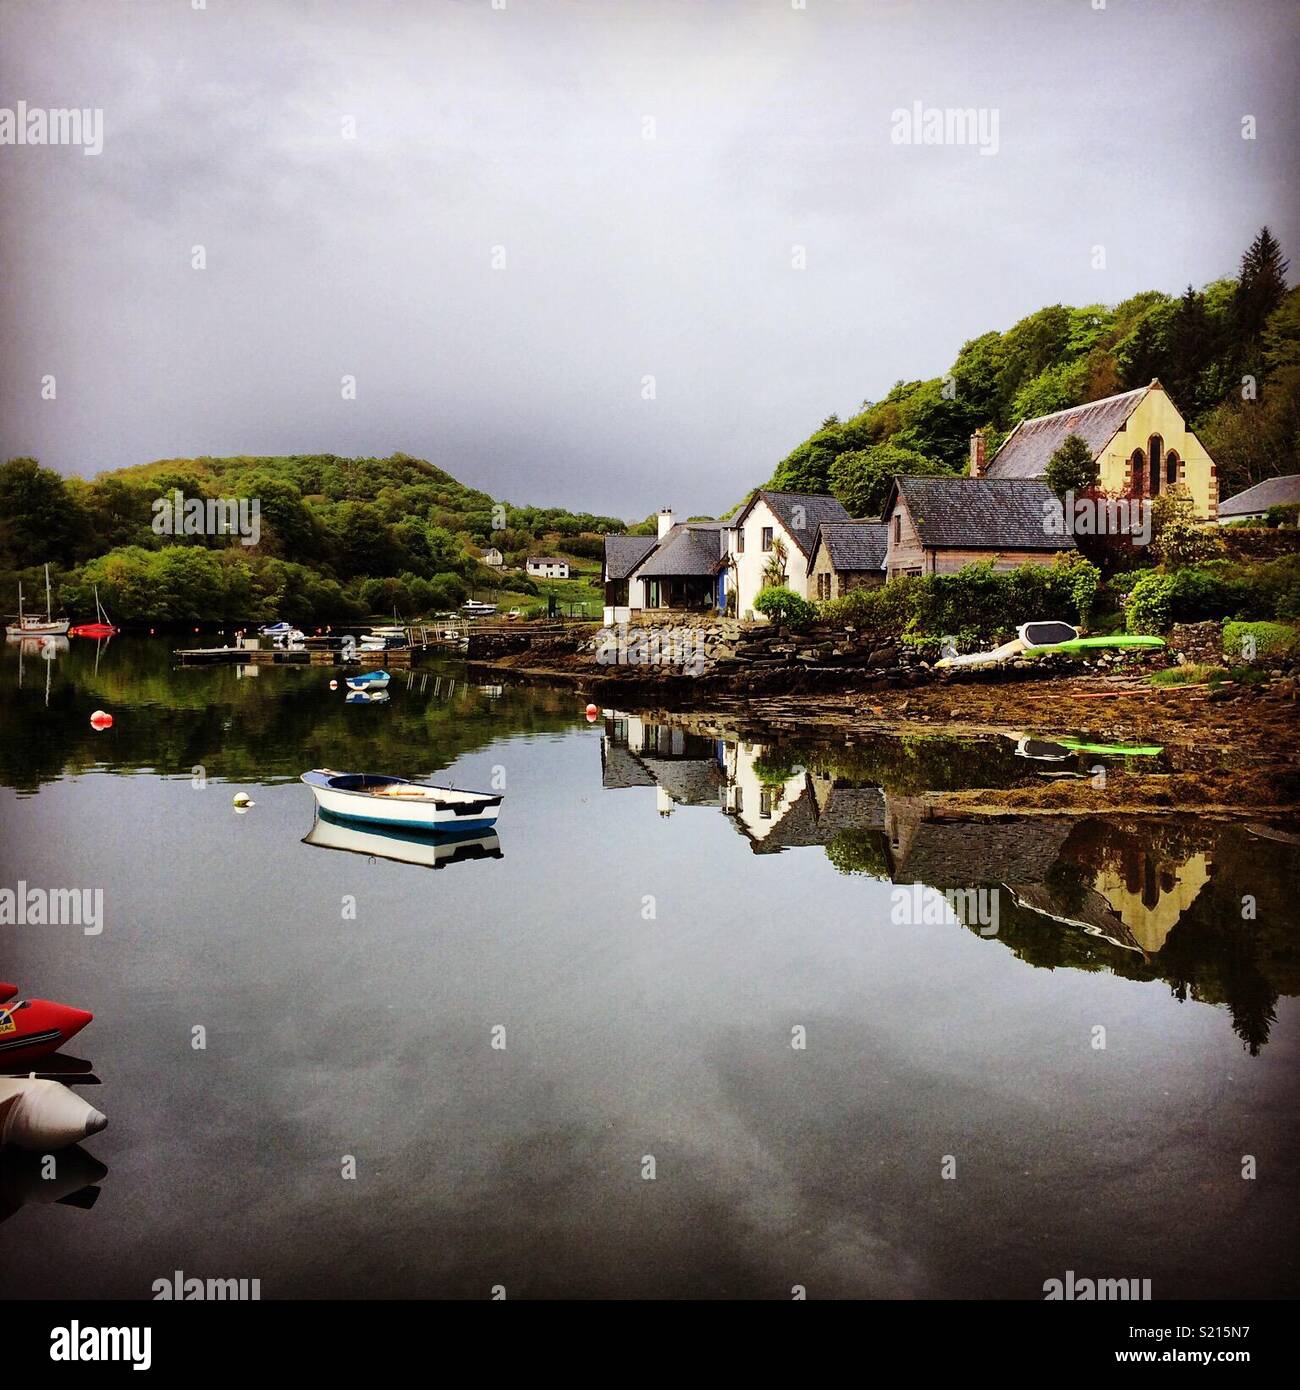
(492, 556)
(772, 538)
(548, 567)
(1253, 504)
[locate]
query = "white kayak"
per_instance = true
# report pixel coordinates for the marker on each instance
(397, 803)
(44, 1115)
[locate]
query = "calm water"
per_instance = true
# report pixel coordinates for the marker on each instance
(661, 911)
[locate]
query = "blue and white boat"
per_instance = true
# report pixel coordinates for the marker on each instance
(276, 629)
(401, 805)
(366, 697)
(368, 681)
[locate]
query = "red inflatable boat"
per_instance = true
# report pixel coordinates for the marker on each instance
(32, 1028)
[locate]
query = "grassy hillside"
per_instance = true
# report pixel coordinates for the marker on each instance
(336, 538)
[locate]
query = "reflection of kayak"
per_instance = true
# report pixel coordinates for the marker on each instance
(396, 803)
(365, 697)
(1135, 750)
(404, 846)
(32, 1028)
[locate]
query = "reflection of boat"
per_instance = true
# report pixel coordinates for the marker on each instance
(32, 1028)
(101, 627)
(404, 846)
(25, 1178)
(27, 626)
(369, 680)
(366, 697)
(395, 802)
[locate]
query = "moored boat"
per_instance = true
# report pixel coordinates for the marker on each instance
(394, 802)
(101, 627)
(32, 1028)
(27, 626)
(369, 680)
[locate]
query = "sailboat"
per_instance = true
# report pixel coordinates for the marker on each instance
(27, 626)
(101, 627)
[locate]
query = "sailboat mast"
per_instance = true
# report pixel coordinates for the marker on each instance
(49, 612)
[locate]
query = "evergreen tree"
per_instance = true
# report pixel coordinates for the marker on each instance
(1262, 284)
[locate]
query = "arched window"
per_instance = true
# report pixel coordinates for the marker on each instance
(1155, 450)
(1171, 468)
(1138, 469)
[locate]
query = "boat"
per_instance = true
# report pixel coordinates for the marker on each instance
(392, 630)
(32, 1028)
(1040, 638)
(101, 627)
(369, 680)
(396, 803)
(27, 626)
(430, 851)
(26, 1178)
(366, 697)
(476, 609)
(43, 1115)
(276, 629)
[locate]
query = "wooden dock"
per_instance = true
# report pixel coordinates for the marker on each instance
(397, 658)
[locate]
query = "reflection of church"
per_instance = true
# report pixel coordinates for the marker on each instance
(1117, 884)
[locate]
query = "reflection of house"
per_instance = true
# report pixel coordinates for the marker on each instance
(1150, 894)
(683, 767)
(1139, 439)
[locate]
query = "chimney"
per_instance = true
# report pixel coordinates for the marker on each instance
(665, 521)
(977, 463)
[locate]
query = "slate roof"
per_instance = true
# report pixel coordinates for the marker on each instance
(968, 854)
(979, 513)
(1026, 450)
(547, 560)
(690, 548)
(624, 553)
(1272, 492)
(817, 508)
(853, 545)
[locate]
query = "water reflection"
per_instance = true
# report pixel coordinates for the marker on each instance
(1190, 902)
(430, 851)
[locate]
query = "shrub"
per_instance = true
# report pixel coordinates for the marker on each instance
(784, 606)
(1193, 673)
(1149, 603)
(1177, 538)
(1263, 639)
(1071, 468)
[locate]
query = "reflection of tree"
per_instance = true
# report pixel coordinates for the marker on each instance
(260, 728)
(859, 852)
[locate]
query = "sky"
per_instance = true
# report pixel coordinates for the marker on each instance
(608, 256)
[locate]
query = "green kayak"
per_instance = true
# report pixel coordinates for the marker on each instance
(1127, 750)
(1084, 644)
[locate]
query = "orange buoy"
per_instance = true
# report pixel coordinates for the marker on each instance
(592, 711)
(334, 685)
(100, 721)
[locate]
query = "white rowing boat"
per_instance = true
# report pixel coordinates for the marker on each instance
(397, 803)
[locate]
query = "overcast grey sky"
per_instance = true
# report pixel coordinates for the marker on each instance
(625, 256)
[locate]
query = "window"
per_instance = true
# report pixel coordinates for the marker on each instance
(767, 539)
(898, 527)
(823, 586)
(1137, 469)
(1171, 468)
(1155, 451)
(740, 540)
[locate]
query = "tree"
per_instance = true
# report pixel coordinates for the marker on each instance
(1072, 467)
(861, 479)
(774, 569)
(1177, 540)
(1261, 286)
(39, 519)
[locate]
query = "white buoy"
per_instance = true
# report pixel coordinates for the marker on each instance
(44, 1115)
(243, 801)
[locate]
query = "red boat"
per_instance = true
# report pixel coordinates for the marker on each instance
(7, 992)
(32, 1028)
(101, 627)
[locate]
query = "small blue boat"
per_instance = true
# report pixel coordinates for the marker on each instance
(368, 681)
